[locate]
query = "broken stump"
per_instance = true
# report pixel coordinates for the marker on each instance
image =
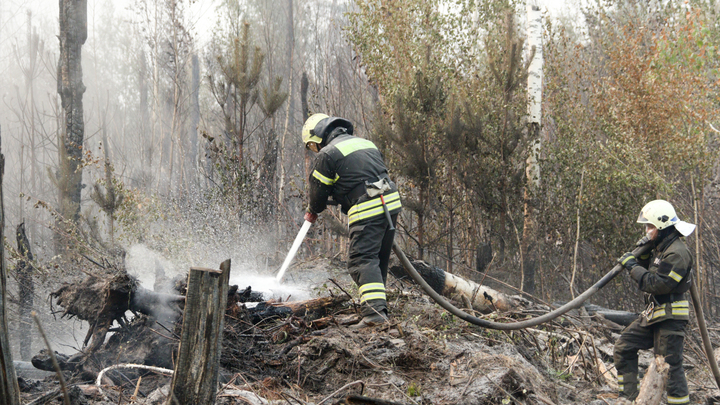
(196, 371)
(653, 384)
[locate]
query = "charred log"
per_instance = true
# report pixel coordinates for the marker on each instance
(314, 308)
(359, 400)
(101, 302)
(623, 318)
(43, 361)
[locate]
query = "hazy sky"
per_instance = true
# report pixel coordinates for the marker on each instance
(201, 12)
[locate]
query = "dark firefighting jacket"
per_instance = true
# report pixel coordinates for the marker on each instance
(341, 170)
(666, 276)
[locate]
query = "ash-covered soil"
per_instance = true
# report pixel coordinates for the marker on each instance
(425, 356)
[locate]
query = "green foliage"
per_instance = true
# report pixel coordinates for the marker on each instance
(451, 124)
(629, 110)
(272, 97)
(560, 374)
(236, 82)
(626, 112)
(413, 389)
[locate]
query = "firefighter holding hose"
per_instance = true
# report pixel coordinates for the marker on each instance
(665, 276)
(352, 172)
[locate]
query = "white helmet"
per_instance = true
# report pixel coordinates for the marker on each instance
(661, 214)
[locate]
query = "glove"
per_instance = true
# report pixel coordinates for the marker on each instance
(643, 241)
(628, 261)
(310, 217)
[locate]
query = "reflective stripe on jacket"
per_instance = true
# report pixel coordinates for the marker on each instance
(667, 278)
(341, 169)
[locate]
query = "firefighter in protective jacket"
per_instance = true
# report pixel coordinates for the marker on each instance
(664, 275)
(351, 171)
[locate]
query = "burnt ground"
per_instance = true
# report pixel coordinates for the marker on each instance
(426, 356)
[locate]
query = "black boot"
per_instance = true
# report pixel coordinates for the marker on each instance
(374, 319)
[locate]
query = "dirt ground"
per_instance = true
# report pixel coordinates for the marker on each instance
(425, 356)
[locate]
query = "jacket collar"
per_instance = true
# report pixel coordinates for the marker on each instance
(334, 134)
(667, 241)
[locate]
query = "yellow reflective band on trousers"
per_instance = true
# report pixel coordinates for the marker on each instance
(372, 291)
(621, 387)
(353, 145)
(323, 179)
(680, 308)
(373, 207)
(678, 400)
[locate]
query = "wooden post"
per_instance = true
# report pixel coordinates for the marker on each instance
(9, 391)
(196, 371)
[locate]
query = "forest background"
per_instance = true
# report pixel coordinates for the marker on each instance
(189, 143)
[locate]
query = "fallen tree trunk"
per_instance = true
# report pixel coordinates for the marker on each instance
(480, 298)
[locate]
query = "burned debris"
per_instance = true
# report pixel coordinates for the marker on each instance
(302, 352)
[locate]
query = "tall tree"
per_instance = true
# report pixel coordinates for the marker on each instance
(528, 246)
(9, 390)
(26, 291)
(192, 131)
(73, 33)
(235, 71)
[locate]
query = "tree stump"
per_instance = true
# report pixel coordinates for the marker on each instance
(653, 384)
(196, 371)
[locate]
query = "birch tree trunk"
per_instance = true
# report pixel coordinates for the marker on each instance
(532, 169)
(469, 293)
(73, 33)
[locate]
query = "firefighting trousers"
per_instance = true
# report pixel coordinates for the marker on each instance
(371, 242)
(667, 339)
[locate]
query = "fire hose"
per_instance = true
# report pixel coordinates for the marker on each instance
(575, 303)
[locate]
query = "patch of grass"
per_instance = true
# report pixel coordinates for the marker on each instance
(560, 375)
(413, 389)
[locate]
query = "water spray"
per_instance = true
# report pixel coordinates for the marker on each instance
(293, 250)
